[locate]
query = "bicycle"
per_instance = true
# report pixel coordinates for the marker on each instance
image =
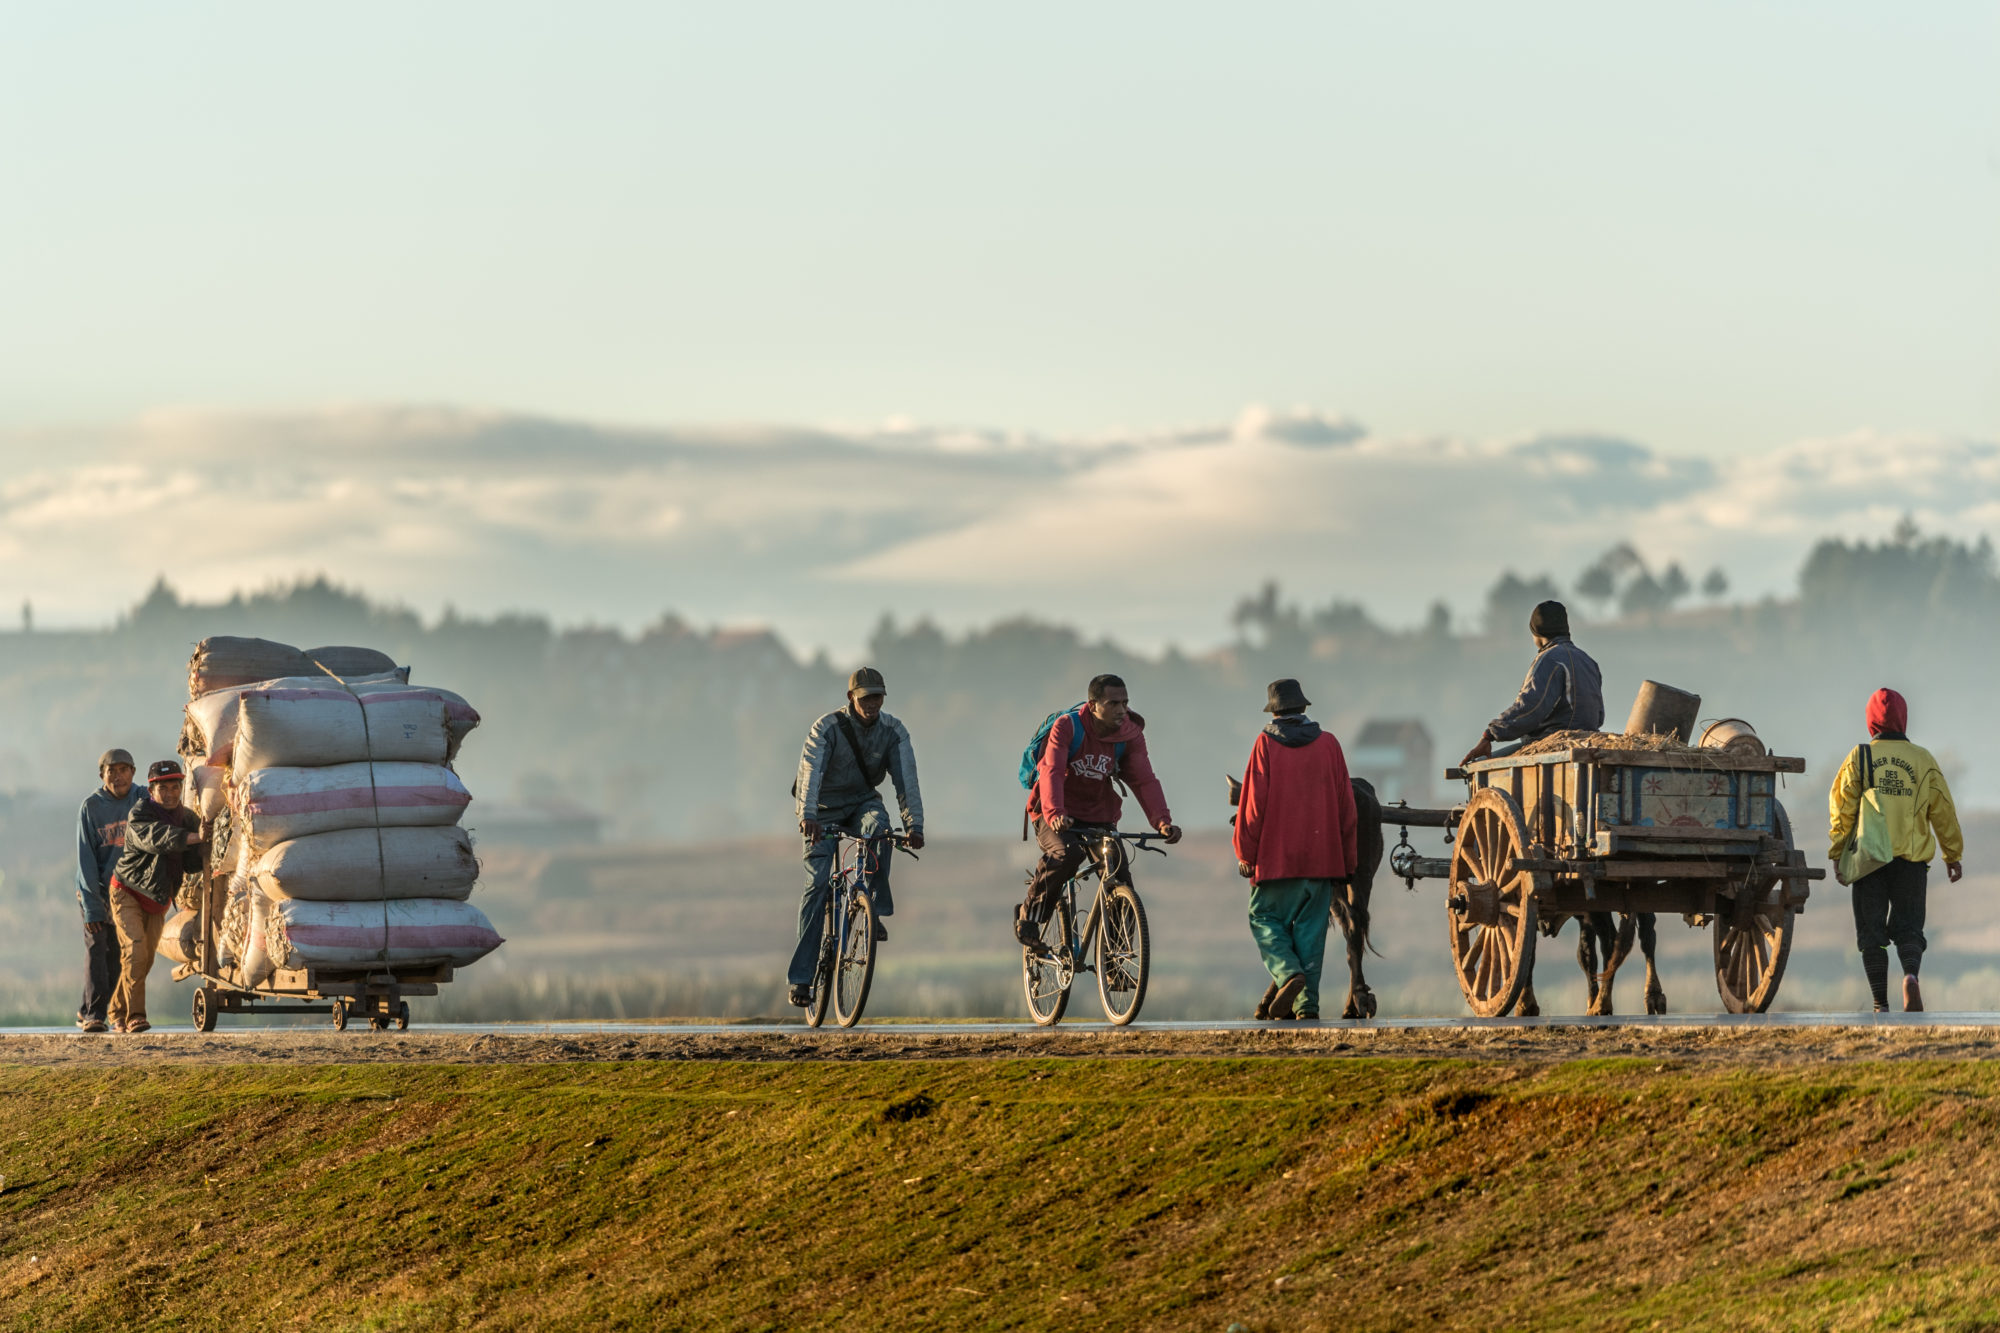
(847, 931)
(1114, 942)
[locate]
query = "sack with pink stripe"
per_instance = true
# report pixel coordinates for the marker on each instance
(277, 804)
(397, 931)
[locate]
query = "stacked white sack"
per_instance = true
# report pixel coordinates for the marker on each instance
(212, 719)
(402, 931)
(321, 727)
(277, 804)
(362, 865)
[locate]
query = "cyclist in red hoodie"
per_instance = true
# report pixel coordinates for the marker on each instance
(1073, 793)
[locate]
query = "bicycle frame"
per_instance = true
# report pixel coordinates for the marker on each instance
(851, 865)
(1109, 864)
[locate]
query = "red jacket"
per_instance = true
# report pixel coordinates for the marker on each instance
(1297, 819)
(1079, 785)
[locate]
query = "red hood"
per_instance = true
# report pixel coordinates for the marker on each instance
(1887, 712)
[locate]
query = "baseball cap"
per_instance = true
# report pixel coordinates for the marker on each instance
(164, 770)
(866, 680)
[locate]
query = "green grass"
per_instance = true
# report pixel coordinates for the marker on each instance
(1276, 1193)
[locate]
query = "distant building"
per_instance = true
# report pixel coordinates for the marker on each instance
(544, 825)
(1395, 755)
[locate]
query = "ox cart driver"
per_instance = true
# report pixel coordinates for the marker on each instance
(1564, 690)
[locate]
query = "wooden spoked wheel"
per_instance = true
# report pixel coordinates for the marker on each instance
(1753, 938)
(1491, 905)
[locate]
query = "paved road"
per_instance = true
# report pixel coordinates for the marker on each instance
(995, 1028)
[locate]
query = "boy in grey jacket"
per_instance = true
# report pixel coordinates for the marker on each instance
(100, 837)
(846, 756)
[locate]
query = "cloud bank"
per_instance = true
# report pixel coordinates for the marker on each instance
(1147, 535)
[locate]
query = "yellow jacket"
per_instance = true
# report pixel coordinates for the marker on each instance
(1913, 796)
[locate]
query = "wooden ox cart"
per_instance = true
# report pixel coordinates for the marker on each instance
(1548, 837)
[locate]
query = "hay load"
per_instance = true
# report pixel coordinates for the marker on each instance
(1650, 742)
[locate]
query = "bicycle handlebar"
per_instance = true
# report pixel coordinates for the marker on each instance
(900, 841)
(1144, 841)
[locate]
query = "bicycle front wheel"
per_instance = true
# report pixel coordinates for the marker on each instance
(1046, 973)
(855, 967)
(823, 974)
(1124, 954)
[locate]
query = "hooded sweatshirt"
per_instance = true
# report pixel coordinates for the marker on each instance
(100, 840)
(1078, 785)
(1297, 818)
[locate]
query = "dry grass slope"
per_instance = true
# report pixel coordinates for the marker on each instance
(1282, 1193)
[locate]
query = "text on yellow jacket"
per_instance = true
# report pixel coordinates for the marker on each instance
(1914, 797)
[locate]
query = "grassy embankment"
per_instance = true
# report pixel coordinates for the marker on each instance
(1279, 1193)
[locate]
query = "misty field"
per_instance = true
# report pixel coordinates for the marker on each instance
(666, 930)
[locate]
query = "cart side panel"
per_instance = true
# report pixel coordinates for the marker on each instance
(1687, 798)
(1547, 793)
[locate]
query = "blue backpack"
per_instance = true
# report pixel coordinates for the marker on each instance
(1031, 758)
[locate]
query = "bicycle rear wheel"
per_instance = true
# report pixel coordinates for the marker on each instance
(1124, 953)
(823, 974)
(1046, 976)
(855, 967)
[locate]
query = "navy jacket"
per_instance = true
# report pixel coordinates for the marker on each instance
(1564, 691)
(100, 837)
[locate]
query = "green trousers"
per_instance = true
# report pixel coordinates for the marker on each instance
(1288, 919)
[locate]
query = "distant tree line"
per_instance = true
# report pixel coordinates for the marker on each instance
(690, 733)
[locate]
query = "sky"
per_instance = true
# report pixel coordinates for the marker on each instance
(1009, 255)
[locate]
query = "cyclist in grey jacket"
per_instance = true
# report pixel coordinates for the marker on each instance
(1564, 690)
(846, 756)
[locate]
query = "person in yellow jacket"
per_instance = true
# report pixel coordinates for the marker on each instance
(1916, 804)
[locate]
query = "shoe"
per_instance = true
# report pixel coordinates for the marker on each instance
(801, 996)
(1264, 1005)
(118, 1025)
(1307, 1016)
(1288, 992)
(138, 1025)
(1913, 997)
(91, 1025)
(881, 931)
(1026, 932)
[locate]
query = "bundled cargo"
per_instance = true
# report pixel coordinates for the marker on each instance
(368, 864)
(276, 804)
(346, 871)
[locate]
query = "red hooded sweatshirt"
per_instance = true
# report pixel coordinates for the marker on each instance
(1297, 817)
(1079, 785)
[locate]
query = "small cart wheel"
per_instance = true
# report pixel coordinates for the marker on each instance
(378, 1023)
(1490, 905)
(204, 1009)
(402, 1016)
(340, 1015)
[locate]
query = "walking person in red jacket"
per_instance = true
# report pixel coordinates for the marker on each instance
(1073, 793)
(1296, 833)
